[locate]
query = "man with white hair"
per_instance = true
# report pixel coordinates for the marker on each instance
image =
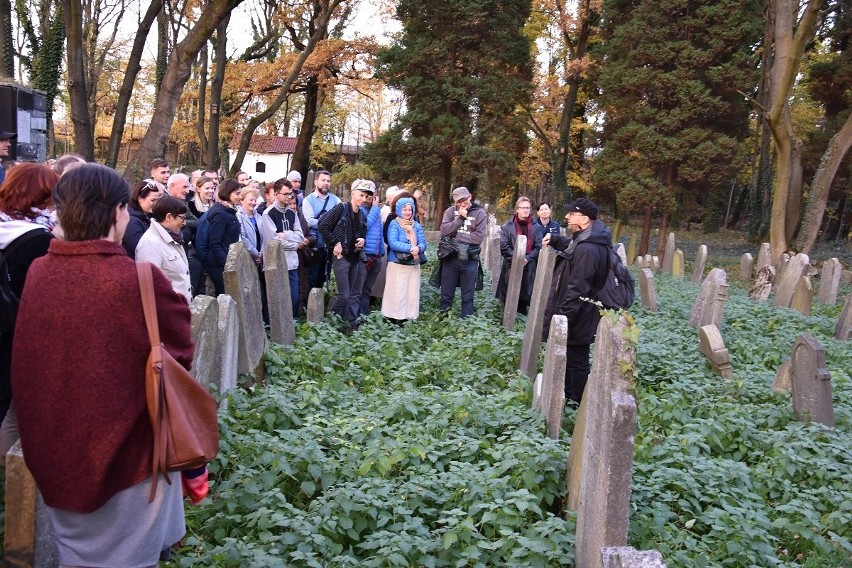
(178, 187)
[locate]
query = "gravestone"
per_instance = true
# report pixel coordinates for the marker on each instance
(788, 279)
(551, 401)
(28, 539)
(640, 262)
(746, 266)
(629, 557)
(700, 261)
(764, 256)
(811, 382)
(668, 254)
(712, 346)
(780, 267)
(762, 286)
(709, 306)
(226, 363)
(656, 261)
(616, 231)
(535, 317)
(619, 250)
(829, 281)
(606, 377)
(631, 247)
(316, 305)
(516, 274)
(843, 329)
(846, 277)
(677, 264)
(803, 296)
(205, 333)
(536, 398)
(276, 272)
(494, 259)
(648, 289)
(648, 262)
(242, 283)
(783, 382)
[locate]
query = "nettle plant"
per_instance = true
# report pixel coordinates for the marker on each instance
(416, 446)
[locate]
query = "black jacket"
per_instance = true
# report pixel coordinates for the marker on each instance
(136, 227)
(336, 226)
(224, 231)
(508, 238)
(580, 269)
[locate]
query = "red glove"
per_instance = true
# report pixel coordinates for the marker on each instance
(196, 488)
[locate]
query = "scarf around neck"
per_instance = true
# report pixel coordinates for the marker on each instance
(524, 228)
(408, 227)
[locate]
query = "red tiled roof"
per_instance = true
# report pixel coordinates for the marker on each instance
(266, 144)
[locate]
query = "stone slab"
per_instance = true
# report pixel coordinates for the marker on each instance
(811, 382)
(552, 402)
(700, 262)
(226, 364)
(762, 286)
(278, 300)
(803, 296)
(712, 346)
(843, 329)
(746, 266)
(493, 258)
(531, 345)
(829, 282)
(789, 278)
(516, 274)
(668, 254)
(316, 305)
(629, 557)
(677, 264)
(648, 289)
(205, 334)
(783, 382)
(242, 283)
(709, 305)
(764, 256)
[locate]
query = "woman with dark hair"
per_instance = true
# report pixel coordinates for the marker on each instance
(78, 371)
(142, 200)
(224, 230)
(544, 221)
(25, 233)
(162, 243)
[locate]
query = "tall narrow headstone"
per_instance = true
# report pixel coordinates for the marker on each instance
(316, 305)
(629, 557)
(803, 296)
(616, 231)
(829, 281)
(843, 329)
(28, 539)
(845, 277)
(226, 362)
(700, 262)
(764, 256)
(746, 266)
(631, 247)
(516, 274)
(552, 399)
(205, 333)
(648, 262)
(762, 286)
(648, 289)
(640, 262)
(709, 306)
(494, 259)
(619, 250)
(668, 255)
(242, 283)
(606, 377)
(712, 346)
(789, 278)
(811, 382)
(535, 317)
(276, 272)
(783, 382)
(677, 264)
(780, 268)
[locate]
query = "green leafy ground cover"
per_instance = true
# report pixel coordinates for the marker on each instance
(415, 446)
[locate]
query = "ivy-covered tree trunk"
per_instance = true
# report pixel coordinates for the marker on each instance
(213, 159)
(7, 50)
(201, 101)
(84, 138)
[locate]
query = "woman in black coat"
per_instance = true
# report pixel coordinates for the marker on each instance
(224, 230)
(142, 200)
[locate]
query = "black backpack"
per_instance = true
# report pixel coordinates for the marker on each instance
(8, 300)
(619, 288)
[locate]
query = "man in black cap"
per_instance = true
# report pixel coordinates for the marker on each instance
(580, 271)
(5, 145)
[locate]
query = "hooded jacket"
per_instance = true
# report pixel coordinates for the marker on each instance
(136, 227)
(581, 264)
(397, 239)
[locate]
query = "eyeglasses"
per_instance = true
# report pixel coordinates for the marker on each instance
(182, 217)
(285, 194)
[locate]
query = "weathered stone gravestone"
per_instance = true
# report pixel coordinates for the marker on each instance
(535, 317)
(242, 283)
(746, 266)
(606, 378)
(762, 286)
(789, 278)
(811, 382)
(656, 261)
(803, 296)
(712, 346)
(780, 268)
(278, 299)
(668, 254)
(226, 363)
(493, 258)
(709, 306)
(700, 261)
(205, 333)
(551, 401)
(829, 281)
(783, 382)
(631, 247)
(640, 262)
(677, 264)
(846, 277)
(648, 262)
(648, 289)
(316, 305)
(619, 250)
(28, 538)
(629, 557)
(764, 256)
(516, 274)
(843, 329)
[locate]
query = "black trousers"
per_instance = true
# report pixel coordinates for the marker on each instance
(576, 371)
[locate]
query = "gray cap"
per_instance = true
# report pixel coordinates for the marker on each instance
(460, 193)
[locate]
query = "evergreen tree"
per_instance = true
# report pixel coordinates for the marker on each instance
(464, 67)
(671, 81)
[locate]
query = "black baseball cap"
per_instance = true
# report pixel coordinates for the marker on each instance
(5, 135)
(584, 206)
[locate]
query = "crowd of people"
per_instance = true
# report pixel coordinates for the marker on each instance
(70, 233)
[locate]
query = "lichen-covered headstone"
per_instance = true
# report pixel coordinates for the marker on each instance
(535, 317)
(516, 275)
(811, 382)
(677, 264)
(746, 266)
(709, 305)
(829, 281)
(668, 254)
(648, 289)
(803, 296)
(712, 346)
(700, 261)
(789, 278)
(242, 283)
(205, 333)
(552, 396)
(278, 299)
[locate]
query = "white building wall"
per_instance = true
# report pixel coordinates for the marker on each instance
(277, 165)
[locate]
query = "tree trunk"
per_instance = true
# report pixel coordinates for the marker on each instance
(302, 151)
(7, 50)
(443, 190)
(663, 236)
(645, 241)
(828, 165)
(84, 141)
(177, 73)
(327, 7)
(126, 89)
(162, 59)
(213, 157)
(201, 102)
(794, 199)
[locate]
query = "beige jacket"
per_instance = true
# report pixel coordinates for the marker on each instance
(159, 248)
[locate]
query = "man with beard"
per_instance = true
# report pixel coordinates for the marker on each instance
(465, 221)
(314, 207)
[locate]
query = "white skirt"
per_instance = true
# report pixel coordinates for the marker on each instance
(401, 299)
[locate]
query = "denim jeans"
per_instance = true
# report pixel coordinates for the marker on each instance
(458, 273)
(370, 275)
(349, 276)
